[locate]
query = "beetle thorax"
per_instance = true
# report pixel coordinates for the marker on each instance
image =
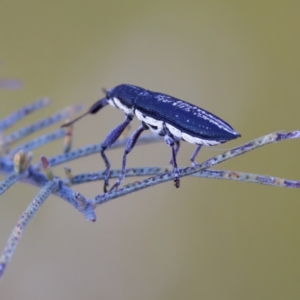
(115, 102)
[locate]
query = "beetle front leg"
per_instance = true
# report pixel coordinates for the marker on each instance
(169, 141)
(129, 146)
(108, 142)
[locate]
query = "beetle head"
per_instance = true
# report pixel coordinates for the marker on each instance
(125, 93)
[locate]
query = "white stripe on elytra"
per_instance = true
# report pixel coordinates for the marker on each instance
(150, 121)
(174, 131)
(218, 122)
(197, 111)
(188, 138)
(159, 124)
(194, 140)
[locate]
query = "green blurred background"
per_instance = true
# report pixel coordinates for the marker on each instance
(207, 240)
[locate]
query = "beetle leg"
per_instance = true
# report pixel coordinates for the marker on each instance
(193, 157)
(108, 142)
(129, 146)
(177, 143)
(169, 141)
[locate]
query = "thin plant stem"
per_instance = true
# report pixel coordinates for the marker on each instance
(24, 220)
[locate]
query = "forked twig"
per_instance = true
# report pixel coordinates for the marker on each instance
(40, 174)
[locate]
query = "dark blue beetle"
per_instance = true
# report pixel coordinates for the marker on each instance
(165, 115)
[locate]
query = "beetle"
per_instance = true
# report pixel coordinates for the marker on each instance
(169, 117)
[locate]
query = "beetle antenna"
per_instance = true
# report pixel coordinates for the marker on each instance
(75, 120)
(93, 109)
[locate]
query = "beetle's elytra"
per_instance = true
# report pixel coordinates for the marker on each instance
(172, 118)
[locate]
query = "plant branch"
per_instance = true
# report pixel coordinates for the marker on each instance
(27, 130)
(259, 142)
(25, 218)
(211, 174)
(21, 169)
(15, 117)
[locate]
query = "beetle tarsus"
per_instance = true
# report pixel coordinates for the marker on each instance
(177, 182)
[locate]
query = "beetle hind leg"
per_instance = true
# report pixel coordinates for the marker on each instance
(170, 142)
(193, 157)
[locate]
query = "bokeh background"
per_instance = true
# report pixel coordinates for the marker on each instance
(207, 240)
